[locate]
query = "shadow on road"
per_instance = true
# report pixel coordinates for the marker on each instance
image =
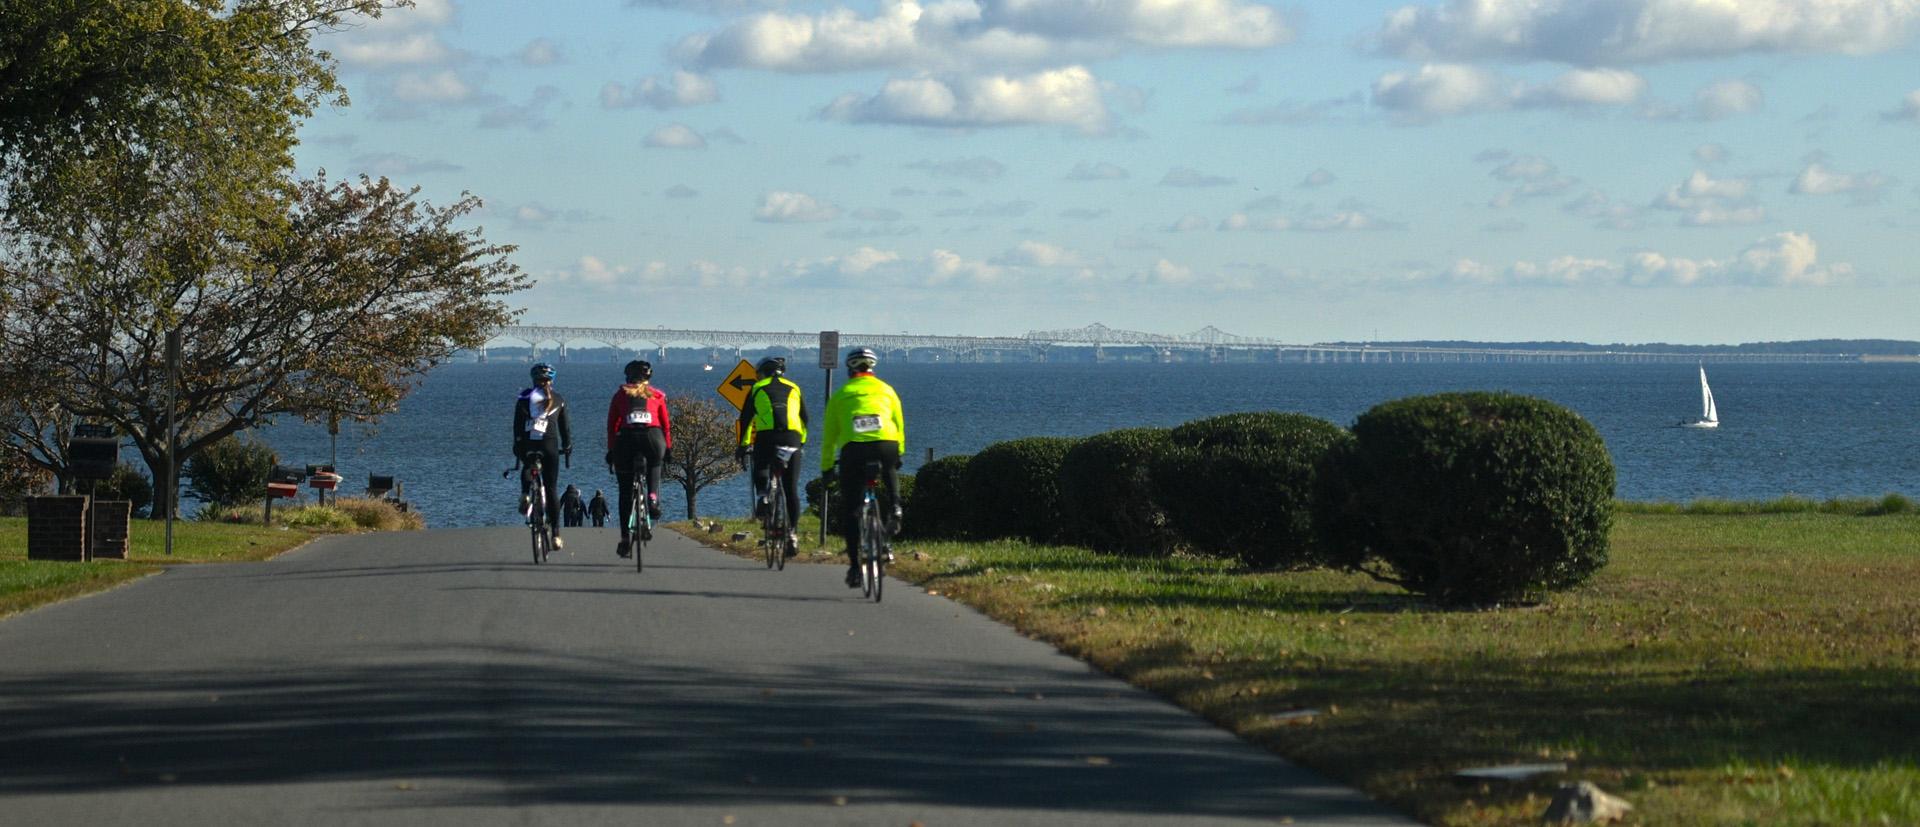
(585, 730)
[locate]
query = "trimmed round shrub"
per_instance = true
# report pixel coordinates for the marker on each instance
(816, 494)
(1472, 498)
(1106, 493)
(1242, 485)
(1012, 488)
(936, 510)
(231, 471)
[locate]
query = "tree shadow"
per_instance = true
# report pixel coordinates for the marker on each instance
(539, 727)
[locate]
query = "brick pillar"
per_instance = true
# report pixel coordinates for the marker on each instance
(112, 528)
(57, 528)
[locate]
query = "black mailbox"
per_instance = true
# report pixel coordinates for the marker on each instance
(286, 475)
(319, 469)
(93, 452)
(378, 485)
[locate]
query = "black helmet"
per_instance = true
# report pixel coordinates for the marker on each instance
(771, 366)
(862, 359)
(639, 370)
(542, 372)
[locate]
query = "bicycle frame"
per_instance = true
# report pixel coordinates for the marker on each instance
(873, 537)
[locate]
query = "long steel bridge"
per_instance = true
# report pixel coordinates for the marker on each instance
(1206, 344)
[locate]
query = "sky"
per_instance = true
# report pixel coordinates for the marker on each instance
(1685, 171)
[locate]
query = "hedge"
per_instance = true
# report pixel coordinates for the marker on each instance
(1012, 489)
(1243, 485)
(1106, 493)
(1471, 498)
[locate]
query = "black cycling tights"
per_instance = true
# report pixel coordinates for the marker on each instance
(639, 450)
(549, 474)
(852, 467)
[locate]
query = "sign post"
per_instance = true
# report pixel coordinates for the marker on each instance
(170, 486)
(829, 358)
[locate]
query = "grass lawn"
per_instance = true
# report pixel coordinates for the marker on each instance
(25, 583)
(1722, 670)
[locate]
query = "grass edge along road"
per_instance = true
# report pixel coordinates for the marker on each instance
(28, 584)
(1724, 669)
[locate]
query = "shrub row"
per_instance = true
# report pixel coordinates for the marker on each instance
(1468, 498)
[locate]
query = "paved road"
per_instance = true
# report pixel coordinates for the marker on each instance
(441, 678)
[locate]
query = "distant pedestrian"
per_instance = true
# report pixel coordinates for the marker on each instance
(573, 507)
(598, 509)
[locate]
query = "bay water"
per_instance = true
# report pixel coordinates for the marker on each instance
(1820, 431)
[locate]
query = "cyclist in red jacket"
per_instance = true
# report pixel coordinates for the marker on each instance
(639, 441)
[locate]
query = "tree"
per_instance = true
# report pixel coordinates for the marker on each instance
(703, 443)
(230, 471)
(341, 309)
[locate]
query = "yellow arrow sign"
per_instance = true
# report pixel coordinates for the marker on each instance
(734, 388)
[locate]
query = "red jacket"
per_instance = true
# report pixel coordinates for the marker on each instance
(650, 414)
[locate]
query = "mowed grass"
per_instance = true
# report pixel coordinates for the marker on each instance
(25, 583)
(1752, 669)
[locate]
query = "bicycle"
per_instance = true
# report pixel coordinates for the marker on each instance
(875, 547)
(776, 526)
(534, 503)
(640, 521)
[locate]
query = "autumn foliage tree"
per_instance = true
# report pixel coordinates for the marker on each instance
(703, 443)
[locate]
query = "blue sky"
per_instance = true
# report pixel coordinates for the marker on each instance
(1690, 171)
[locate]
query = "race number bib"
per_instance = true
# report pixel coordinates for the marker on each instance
(639, 417)
(537, 428)
(866, 424)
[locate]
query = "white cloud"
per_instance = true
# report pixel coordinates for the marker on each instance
(1711, 153)
(1165, 272)
(1068, 96)
(1624, 32)
(1447, 89)
(1704, 201)
(1039, 254)
(1344, 221)
(399, 37)
(1587, 87)
(950, 35)
(680, 89)
(395, 165)
(444, 86)
(947, 267)
(540, 51)
(531, 114)
(1193, 178)
(1187, 224)
(1318, 178)
(780, 207)
(1781, 260)
(675, 136)
(1531, 176)
(1604, 211)
(1817, 179)
(978, 168)
(1909, 109)
(1726, 99)
(422, 49)
(1101, 171)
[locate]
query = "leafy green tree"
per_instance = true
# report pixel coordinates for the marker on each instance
(146, 185)
(231, 471)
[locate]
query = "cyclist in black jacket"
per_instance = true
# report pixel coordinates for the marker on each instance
(540, 426)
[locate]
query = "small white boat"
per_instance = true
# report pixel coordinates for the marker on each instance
(1709, 415)
(706, 367)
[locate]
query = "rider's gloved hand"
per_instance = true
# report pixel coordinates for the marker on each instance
(740, 455)
(667, 458)
(609, 457)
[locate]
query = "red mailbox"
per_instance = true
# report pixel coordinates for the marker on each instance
(282, 489)
(325, 481)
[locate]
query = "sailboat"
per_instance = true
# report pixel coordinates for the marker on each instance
(1709, 415)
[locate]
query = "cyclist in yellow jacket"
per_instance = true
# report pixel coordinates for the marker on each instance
(864, 424)
(774, 416)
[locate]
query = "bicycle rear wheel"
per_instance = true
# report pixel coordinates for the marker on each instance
(537, 523)
(870, 550)
(777, 526)
(643, 527)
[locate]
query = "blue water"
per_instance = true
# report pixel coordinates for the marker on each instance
(1812, 430)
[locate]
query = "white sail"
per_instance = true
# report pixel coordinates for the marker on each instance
(1708, 412)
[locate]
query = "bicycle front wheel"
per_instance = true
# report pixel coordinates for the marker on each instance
(870, 534)
(776, 527)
